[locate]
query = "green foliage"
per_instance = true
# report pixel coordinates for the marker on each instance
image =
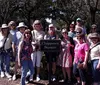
(59, 10)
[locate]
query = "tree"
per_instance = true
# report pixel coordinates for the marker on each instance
(92, 6)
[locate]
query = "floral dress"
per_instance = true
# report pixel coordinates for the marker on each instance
(66, 54)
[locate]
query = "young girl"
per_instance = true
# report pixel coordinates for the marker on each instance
(24, 56)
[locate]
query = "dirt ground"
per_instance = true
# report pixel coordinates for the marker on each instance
(5, 81)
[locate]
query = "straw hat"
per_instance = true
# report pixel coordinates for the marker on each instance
(4, 26)
(94, 26)
(22, 24)
(94, 35)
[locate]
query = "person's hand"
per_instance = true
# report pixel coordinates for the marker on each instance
(73, 63)
(98, 66)
(19, 64)
(33, 43)
(84, 65)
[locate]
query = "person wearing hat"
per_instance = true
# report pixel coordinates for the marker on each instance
(79, 24)
(37, 35)
(94, 57)
(92, 30)
(6, 44)
(66, 54)
(17, 38)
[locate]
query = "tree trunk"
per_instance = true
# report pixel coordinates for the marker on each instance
(92, 12)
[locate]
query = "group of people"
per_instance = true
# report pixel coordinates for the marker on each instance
(77, 48)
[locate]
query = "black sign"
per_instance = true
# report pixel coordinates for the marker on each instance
(50, 45)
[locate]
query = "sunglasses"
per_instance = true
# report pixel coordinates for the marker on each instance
(94, 38)
(64, 33)
(78, 32)
(37, 24)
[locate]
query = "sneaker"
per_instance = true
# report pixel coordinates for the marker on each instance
(26, 82)
(62, 80)
(14, 77)
(8, 75)
(37, 78)
(2, 75)
(31, 78)
(53, 78)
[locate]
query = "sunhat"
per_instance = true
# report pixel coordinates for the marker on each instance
(22, 24)
(4, 26)
(94, 26)
(94, 35)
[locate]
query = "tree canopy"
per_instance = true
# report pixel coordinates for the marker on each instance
(59, 10)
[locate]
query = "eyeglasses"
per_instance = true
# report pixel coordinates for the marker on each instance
(78, 32)
(64, 32)
(94, 38)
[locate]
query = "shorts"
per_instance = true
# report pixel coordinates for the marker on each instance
(51, 57)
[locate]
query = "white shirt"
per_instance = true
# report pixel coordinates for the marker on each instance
(8, 43)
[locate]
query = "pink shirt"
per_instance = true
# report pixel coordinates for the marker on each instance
(79, 51)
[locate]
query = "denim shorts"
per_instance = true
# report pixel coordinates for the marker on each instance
(95, 72)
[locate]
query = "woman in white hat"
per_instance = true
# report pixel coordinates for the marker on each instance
(17, 38)
(6, 44)
(94, 57)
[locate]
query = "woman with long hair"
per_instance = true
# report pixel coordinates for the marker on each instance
(24, 56)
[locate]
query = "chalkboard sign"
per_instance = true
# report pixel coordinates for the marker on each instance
(50, 45)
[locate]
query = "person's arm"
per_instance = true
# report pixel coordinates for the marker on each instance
(86, 56)
(98, 66)
(87, 53)
(19, 52)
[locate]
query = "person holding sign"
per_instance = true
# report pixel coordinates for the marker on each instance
(51, 56)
